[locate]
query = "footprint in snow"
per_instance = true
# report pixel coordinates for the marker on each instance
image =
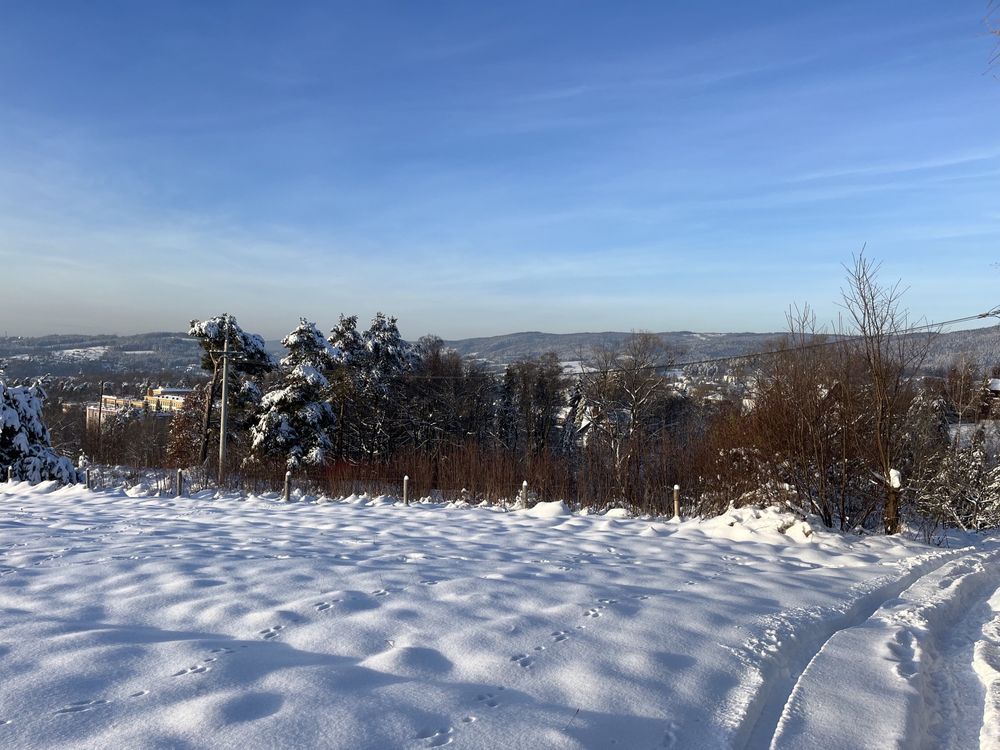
(560, 635)
(78, 706)
(196, 669)
(488, 699)
(437, 737)
(222, 651)
(593, 612)
(269, 633)
(380, 592)
(522, 660)
(670, 736)
(324, 606)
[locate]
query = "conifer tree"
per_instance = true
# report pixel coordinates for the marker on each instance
(296, 422)
(25, 446)
(249, 363)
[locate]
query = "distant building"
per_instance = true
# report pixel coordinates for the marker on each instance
(158, 402)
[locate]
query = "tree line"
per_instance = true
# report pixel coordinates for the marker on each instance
(836, 422)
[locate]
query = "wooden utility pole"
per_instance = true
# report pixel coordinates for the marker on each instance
(224, 418)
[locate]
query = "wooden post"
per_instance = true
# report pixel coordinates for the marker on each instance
(677, 501)
(406, 489)
(288, 487)
(524, 494)
(179, 484)
(88, 479)
(891, 512)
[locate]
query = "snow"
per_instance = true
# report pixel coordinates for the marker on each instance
(546, 510)
(218, 621)
(86, 354)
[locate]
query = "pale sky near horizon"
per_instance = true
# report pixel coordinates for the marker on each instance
(480, 168)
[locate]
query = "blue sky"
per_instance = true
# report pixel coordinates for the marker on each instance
(478, 168)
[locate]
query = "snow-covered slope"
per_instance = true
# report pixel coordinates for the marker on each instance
(142, 622)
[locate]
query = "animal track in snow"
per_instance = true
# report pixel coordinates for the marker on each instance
(488, 699)
(381, 592)
(437, 737)
(670, 736)
(522, 660)
(269, 633)
(593, 612)
(560, 635)
(324, 606)
(75, 708)
(196, 669)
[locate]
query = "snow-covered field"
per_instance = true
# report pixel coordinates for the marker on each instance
(144, 622)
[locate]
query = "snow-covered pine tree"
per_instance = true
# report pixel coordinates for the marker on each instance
(296, 422)
(250, 363)
(366, 387)
(378, 368)
(25, 446)
(345, 338)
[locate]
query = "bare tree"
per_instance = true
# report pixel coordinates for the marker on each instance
(880, 328)
(624, 391)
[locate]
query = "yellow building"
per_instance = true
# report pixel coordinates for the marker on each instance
(158, 402)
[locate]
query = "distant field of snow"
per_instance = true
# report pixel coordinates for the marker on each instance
(87, 354)
(146, 622)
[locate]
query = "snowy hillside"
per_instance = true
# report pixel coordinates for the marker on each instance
(141, 622)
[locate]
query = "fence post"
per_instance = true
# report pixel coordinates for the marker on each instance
(677, 501)
(88, 479)
(288, 487)
(524, 494)
(179, 484)
(406, 489)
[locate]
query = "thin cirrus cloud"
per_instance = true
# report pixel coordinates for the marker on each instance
(543, 168)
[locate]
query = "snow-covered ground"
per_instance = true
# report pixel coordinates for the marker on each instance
(144, 622)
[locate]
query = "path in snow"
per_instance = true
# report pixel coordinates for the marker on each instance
(906, 676)
(189, 623)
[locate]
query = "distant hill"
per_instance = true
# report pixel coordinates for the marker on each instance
(166, 352)
(174, 352)
(571, 346)
(982, 344)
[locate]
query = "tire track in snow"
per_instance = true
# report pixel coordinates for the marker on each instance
(955, 692)
(892, 679)
(791, 640)
(986, 664)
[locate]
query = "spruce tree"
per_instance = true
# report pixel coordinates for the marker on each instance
(249, 363)
(296, 422)
(25, 446)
